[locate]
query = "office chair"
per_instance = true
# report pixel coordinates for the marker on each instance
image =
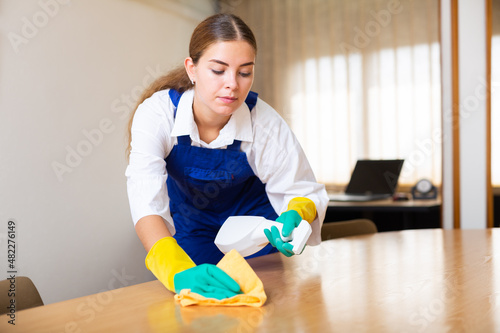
(331, 230)
(26, 294)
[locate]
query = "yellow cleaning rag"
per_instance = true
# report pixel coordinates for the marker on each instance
(236, 267)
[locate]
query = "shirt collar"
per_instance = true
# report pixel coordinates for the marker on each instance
(239, 126)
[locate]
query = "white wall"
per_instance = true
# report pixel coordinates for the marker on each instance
(472, 92)
(447, 101)
(472, 115)
(70, 67)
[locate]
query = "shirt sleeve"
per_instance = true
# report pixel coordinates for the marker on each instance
(146, 172)
(279, 161)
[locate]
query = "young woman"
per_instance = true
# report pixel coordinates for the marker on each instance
(203, 147)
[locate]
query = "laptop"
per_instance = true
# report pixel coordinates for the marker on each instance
(371, 180)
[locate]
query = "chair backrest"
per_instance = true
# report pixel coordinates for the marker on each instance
(331, 230)
(26, 295)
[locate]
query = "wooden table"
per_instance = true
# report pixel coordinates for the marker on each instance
(428, 280)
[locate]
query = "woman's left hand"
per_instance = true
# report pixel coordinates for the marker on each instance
(290, 219)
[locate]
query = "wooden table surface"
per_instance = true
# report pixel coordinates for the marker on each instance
(428, 280)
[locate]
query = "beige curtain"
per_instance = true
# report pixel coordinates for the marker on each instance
(354, 79)
(495, 94)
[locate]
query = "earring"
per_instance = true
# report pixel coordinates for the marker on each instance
(192, 81)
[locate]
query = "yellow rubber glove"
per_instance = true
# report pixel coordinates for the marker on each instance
(174, 268)
(305, 207)
(165, 259)
(299, 209)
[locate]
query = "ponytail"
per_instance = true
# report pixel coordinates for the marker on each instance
(176, 79)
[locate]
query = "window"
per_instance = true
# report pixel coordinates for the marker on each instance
(354, 79)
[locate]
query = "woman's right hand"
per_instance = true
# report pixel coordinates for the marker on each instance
(207, 280)
(175, 269)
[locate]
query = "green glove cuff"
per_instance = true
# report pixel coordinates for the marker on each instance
(165, 259)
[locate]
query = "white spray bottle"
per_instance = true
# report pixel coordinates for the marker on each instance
(246, 235)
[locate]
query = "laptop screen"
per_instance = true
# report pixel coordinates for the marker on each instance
(375, 177)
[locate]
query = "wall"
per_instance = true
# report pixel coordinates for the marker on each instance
(447, 101)
(473, 124)
(470, 148)
(69, 74)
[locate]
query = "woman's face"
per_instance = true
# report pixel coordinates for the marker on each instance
(223, 77)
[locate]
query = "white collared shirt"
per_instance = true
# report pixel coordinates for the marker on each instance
(272, 150)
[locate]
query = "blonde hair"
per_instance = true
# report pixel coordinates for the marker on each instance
(216, 28)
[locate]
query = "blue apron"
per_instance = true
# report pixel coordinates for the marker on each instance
(206, 186)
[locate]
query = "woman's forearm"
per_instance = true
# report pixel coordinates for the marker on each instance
(150, 229)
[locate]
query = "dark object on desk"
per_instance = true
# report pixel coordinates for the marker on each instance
(401, 197)
(389, 215)
(424, 189)
(496, 210)
(371, 180)
(332, 230)
(26, 294)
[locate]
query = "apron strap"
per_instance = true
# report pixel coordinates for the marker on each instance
(251, 100)
(235, 145)
(184, 140)
(175, 97)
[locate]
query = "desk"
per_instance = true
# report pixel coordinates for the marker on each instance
(388, 214)
(427, 280)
